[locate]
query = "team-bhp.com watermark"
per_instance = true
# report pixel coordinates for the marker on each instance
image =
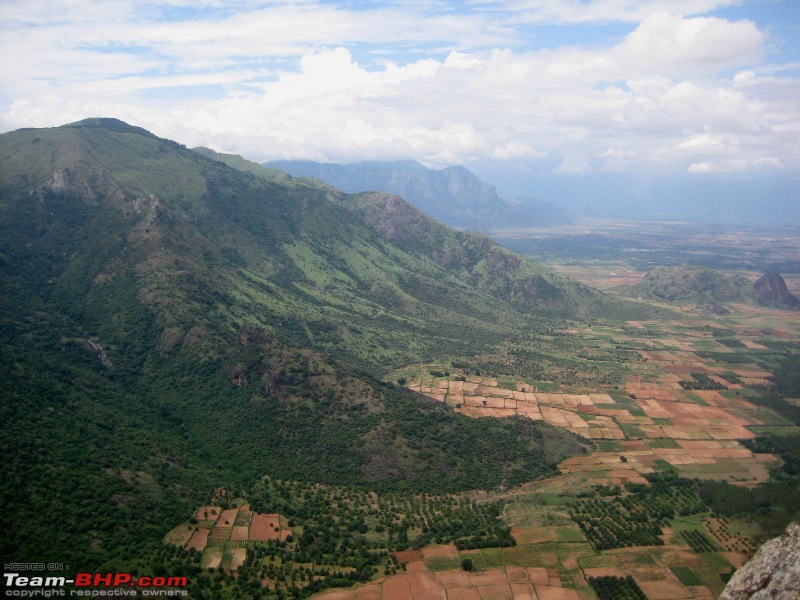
(19, 584)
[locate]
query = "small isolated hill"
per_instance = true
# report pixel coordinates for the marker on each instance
(453, 195)
(771, 289)
(688, 282)
(708, 288)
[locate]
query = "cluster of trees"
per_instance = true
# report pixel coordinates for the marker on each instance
(307, 424)
(606, 525)
(345, 535)
(698, 541)
(635, 518)
(701, 381)
(609, 587)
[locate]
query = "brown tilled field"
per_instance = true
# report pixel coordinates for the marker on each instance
(265, 527)
(419, 583)
(656, 407)
(198, 540)
(207, 514)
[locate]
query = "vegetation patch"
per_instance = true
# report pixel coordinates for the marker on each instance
(687, 575)
(616, 588)
(636, 518)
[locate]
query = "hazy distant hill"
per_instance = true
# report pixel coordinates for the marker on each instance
(169, 324)
(690, 282)
(700, 284)
(453, 195)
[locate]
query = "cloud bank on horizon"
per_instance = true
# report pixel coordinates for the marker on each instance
(570, 87)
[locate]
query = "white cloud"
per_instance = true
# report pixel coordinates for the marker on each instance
(700, 142)
(614, 153)
(607, 11)
(736, 165)
(516, 150)
(668, 44)
(311, 80)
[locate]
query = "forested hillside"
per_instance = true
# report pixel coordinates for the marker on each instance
(171, 325)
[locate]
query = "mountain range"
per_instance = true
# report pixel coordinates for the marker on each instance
(171, 324)
(453, 195)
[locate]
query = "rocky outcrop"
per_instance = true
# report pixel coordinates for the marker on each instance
(92, 346)
(771, 289)
(84, 181)
(774, 572)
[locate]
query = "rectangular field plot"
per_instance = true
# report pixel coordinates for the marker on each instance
(569, 534)
(442, 563)
(493, 557)
(179, 536)
(523, 556)
(212, 558)
(265, 527)
(687, 576)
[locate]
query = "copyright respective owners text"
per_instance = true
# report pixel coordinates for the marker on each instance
(48, 580)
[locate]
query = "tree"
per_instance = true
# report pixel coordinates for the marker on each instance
(466, 564)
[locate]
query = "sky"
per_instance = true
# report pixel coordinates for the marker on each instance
(526, 93)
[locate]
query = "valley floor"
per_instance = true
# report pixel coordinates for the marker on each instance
(685, 408)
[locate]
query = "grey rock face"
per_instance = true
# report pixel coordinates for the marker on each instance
(771, 288)
(773, 573)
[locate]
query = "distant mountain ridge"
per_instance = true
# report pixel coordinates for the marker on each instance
(453, 195)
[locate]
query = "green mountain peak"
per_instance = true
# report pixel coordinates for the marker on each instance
(109, 124)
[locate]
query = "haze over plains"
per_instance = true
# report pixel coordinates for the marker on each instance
(639, 106)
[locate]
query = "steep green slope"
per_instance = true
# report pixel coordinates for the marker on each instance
(161, 327)
(242, 164)
(456, 264)
(476, 260)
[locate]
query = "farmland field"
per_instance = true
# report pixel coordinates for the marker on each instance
(631, 507)
(688, 403)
